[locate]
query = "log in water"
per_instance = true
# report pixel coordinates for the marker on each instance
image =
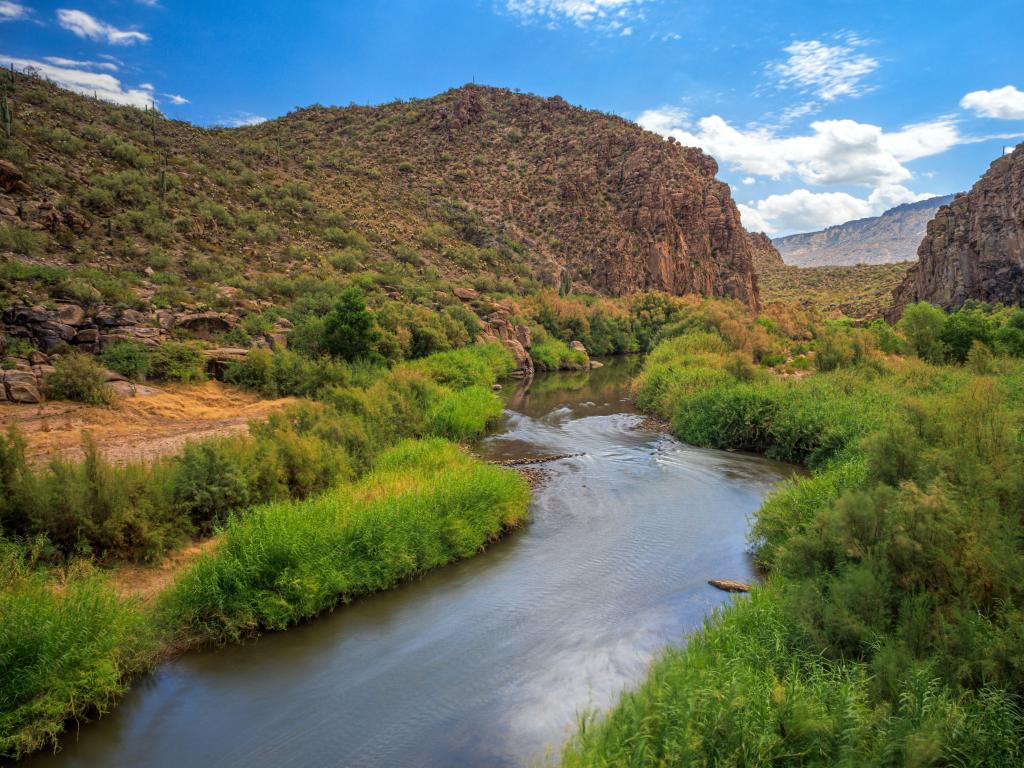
(487, 662)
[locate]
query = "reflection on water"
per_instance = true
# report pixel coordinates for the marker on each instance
(489, 661)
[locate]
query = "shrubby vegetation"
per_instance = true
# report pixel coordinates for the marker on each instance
(322, 502)
(888, 631)
(68, 645)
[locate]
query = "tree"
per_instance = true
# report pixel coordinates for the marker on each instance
(350, 330)
(922, 324)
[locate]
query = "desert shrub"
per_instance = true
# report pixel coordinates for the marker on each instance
(208, 481)
(345, 238)
(286, 372)
(24, 242)
(174, 361)
(128, 358)
(961, 329)
(77, 377)
(922, 324)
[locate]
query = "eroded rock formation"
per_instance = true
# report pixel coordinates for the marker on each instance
(974, 247)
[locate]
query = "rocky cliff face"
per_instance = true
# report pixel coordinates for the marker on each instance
(974, 247)
(616, 207)
(886, 239)
(765, 255)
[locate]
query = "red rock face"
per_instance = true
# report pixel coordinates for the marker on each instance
(974, 247)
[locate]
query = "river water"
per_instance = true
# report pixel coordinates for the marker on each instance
(490, 661)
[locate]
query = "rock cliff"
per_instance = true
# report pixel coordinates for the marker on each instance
(974, 247)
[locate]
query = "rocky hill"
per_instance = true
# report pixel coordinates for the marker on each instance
(765, 255)
(481, 187)
(892, 237)
(974, 247)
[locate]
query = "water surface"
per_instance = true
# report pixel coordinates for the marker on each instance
(489, 661)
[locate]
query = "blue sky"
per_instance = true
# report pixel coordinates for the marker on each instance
(818, 112)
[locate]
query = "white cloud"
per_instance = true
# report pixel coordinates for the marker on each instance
(802, 210)
(827, 71)
(242, 119)
(105, 86)
(13, 11)
(580, 12)
(82, 24)
(749, 180)
(176, 99)
(1006, 103)
(60, 61)
(835, 152)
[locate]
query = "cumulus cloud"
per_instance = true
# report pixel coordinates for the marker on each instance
(1006, 103)
(103, 85)
(89, 27)
(827, 71)
(802, 210)
(579, 12)
(12, 11)
(834, 152)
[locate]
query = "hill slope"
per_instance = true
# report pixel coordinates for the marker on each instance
(974, 248)
(892, 237)
(478, 186)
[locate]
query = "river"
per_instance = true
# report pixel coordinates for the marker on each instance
(487, 662)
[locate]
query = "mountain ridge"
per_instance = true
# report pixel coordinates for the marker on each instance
(888, 238)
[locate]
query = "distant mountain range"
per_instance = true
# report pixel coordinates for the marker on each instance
(894, 236)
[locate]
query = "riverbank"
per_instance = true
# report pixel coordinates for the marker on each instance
(487, 660)
(70, 644)
(894, 568)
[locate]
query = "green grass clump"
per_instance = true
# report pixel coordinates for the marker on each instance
(551, 354)
(464, 414)
(426, 503)
(68, 647)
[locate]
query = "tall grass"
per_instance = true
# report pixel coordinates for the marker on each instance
(68, 647)
(746, 691)
(426, 503)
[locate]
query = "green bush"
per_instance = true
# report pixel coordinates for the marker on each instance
(173, 361)
(24, 242)
(77, 377)
(350, 330)
(128, 358)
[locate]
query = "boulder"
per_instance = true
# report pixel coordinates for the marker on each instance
(217, 360)
(70, 314)
(578, 347)
(10, 176)
(596, 364)
(205, 325)
(466, 294)
(22, 387)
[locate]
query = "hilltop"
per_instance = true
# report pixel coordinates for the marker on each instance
(481, 187)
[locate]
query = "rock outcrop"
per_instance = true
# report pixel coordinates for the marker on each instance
(974, 247)
(765, 255)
